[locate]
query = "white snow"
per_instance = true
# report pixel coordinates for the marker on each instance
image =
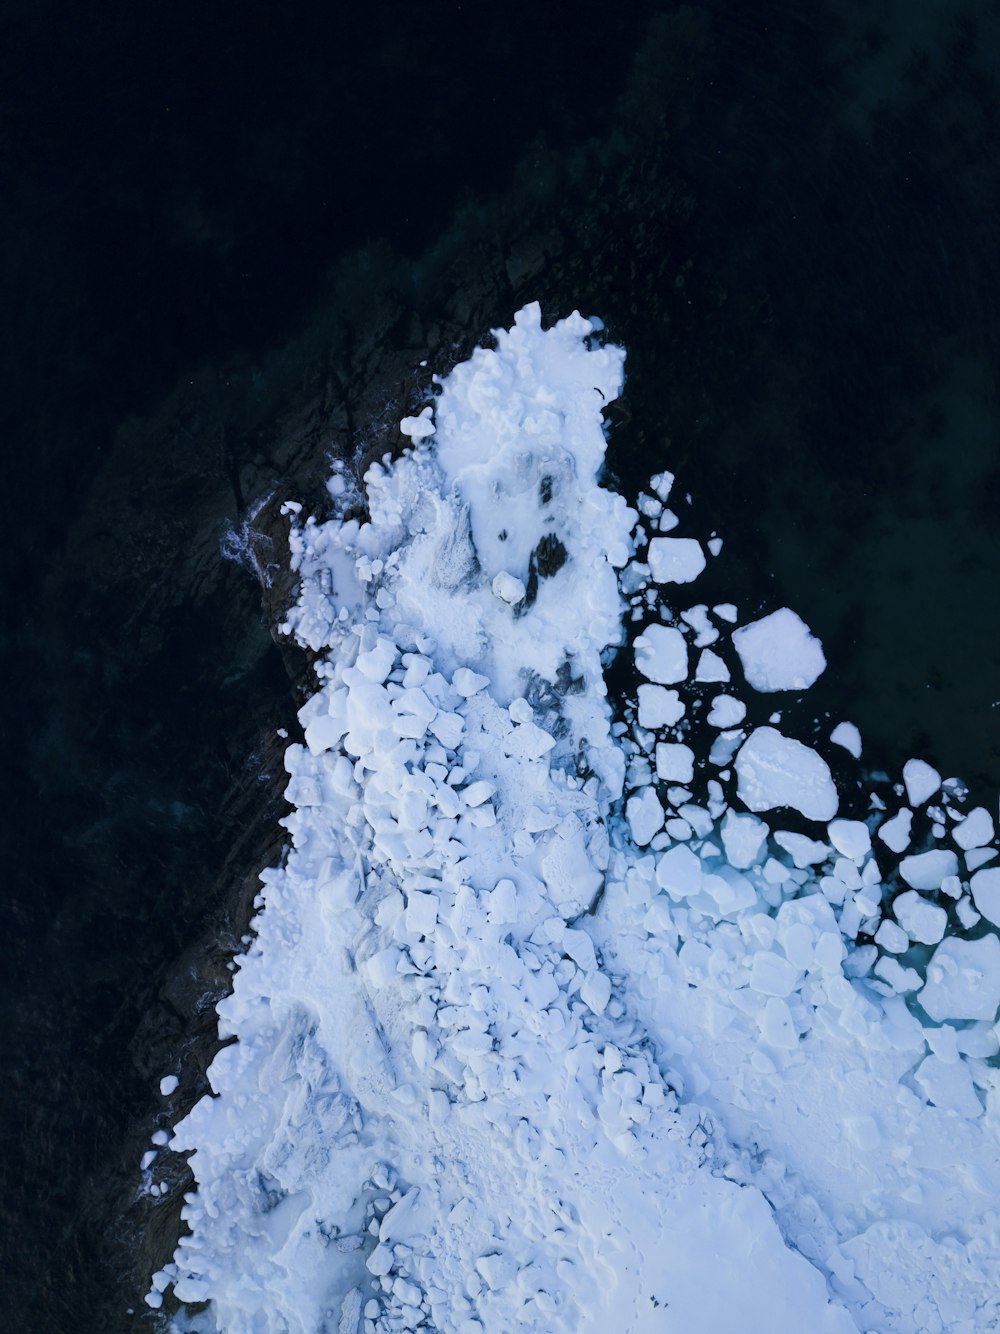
(779, 652)
(527, 1041)
(774, 770)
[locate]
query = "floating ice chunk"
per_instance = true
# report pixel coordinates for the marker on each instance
(848, 736)
(985, 886)
(661, 482)
(674, 762)
(963, 979)
(966, 913)
(714, 545)
(977, 857)
(779, 652)
(645, 816)
(921, 781)
(726, 711)
(675, 560)
(725, 745)
(926, 870)
(711, 668)
(851, 837)
(975, 830)
(922, 921)
(659, 707)
(508, 588)
(803, 851)
(679, 872)
(168, 1085)
(774, 770)
(895, 833)
(661, 654)
(892, 972)
(892, 937)
(419, 427)
(726, 611)
(743, 837)
(697, 618)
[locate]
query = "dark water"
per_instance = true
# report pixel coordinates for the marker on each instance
(229, 236)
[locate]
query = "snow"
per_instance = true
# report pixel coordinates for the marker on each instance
(774, 770)
(674, 762)
(542, 1024)
(779, 652)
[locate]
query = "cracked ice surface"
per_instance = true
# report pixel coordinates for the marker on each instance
(541, 1027)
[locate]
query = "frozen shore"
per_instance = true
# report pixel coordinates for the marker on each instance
(553, 1019)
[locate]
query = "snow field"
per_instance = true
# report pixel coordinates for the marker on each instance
(549, 1023)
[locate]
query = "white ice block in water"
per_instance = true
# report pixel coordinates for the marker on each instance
(779, 652)
(921, 781)
(774, 770)
(661, 654)
(848, 736)
(675, 560)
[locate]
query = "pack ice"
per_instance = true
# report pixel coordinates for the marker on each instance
(543, 1025)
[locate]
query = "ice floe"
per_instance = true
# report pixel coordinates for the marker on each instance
(546, 1022)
